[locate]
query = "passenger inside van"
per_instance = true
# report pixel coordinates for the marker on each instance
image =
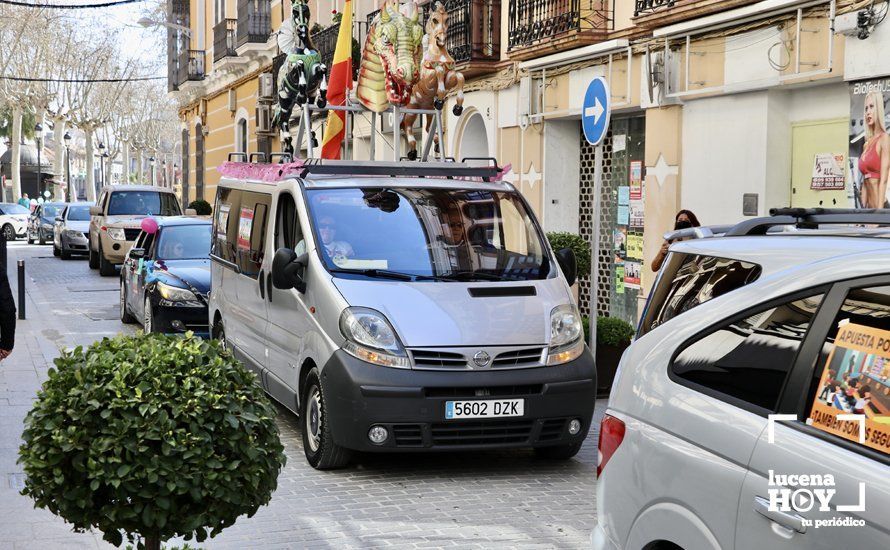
(327, 229)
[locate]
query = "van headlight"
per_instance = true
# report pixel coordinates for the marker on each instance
(371, 338)
(116, 233)
(566, 335)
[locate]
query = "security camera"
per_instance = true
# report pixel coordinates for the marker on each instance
(865, 23)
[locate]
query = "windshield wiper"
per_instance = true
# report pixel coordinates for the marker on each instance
(380, 273)
(471, 276)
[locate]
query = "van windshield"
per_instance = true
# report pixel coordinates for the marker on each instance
(452, 234)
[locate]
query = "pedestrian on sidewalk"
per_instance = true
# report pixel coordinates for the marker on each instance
(683, 220)
(7, 307)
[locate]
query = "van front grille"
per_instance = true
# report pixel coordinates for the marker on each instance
(518, 358)
(481, 433)
(552, 428)
(438, 359)
(462, 358)
(408, 435)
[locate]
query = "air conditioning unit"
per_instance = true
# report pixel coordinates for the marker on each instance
(233, 100)
(267, 90)
(264, 119)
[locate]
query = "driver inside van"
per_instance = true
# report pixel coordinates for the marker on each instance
(337, 250)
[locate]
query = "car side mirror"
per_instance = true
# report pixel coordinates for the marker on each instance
(58, 218)
(191, 212)
(287, 270)
(569, 264)
(137, 253)
(95, 210)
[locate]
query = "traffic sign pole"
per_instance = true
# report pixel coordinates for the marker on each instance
(595, 115)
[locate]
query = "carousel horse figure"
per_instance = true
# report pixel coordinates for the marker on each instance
(437, 78)
(391, 57)
(302, 77)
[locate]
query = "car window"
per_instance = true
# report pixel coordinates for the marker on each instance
(288, 233)
(140, 240)
(748, 359)
(251, 238)
(689, 280)
(852, 374)
(78, 213)
(143, 203)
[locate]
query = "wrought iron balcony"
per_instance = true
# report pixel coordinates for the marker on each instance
(558, 24)
(474, 32)
(191, 66)
(224, 39)
(325, 41)
(254, 22)
(642, 6)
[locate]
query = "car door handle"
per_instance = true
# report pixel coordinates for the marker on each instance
(787, 520)
(269, 286)
(262, 280)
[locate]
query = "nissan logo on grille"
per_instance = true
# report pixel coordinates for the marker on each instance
(481, 359)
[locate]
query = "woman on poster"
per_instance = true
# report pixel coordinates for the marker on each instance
(874, 163)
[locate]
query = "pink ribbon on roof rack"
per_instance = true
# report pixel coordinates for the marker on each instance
(256, 171)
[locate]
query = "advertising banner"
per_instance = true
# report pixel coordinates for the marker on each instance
(869, 107)
(856, 382)
(828, 172)
(636, 179)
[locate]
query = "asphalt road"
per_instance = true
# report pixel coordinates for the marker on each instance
(482, 499)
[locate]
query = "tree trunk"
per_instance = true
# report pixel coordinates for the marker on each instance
(125, 172)
(90, 175)
(152, 543)
(139, 167)
(59, 162)
(109, 165)
(16, 173)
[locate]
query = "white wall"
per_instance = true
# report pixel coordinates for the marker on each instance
(862, 58)
(562, 175)
(483, 102)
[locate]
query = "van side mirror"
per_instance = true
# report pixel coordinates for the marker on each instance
(569, 264)
(95, 210)
(287, 270)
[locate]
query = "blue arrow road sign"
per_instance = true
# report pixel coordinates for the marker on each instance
(595, 111)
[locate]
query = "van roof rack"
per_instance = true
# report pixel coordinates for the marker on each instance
(783, 219)
(448, 169)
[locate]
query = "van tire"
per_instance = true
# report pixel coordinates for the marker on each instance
(321, 451)
(106, 268)
(559, 452)
(94, 259)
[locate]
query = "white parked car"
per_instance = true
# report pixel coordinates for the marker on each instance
(785, 315)
(13, 220)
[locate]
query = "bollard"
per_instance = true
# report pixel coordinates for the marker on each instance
(21, 289)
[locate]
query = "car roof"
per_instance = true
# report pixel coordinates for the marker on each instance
(172, 221)
(132, 187)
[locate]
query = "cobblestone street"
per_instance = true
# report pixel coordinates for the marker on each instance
(486, 500)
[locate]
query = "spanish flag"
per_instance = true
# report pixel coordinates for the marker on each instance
(341, 80)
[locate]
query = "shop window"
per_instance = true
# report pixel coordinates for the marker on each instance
(748, 359)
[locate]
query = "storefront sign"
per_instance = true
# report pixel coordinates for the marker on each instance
(869, 110)
(636, 179)
(852, 399)
(828, 171)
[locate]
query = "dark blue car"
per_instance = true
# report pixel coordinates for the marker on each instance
(165, 279)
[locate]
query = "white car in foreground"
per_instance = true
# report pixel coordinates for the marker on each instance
(786, 315)
(13, 220)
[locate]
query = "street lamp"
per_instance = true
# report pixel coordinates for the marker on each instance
(146, 22)
(151, 162)
(67, 139)
(38, 130)
(104, 160)
(101, 166)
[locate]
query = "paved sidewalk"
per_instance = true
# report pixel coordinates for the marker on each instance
(471, 500)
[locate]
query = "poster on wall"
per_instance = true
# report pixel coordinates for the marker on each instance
(244, 225)
(856, 381)
(636, 213)
(635, 247)
(636, 179)
(632, 275)
(869, 107)
(828, 171)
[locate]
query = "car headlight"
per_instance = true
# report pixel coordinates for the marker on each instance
(371, 338)
(566, 335)
(72, 234)
(176, 294)
(116, 233)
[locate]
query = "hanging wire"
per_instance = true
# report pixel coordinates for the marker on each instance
(68, 6)
(81, 80)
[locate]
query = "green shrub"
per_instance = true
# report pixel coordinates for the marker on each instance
(202, 207)
(560, 240)
(153, 436)
(611, 331)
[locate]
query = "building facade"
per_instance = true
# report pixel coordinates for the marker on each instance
(724, 107)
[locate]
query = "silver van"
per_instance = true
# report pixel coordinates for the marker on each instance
(402, 307)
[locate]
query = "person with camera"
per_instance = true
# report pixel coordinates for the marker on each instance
(683, 220)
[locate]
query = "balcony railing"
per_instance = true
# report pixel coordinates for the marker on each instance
(254, 21)
(643, 6)
(191, 66)
(325, 41)
(534, 22)
(474, 29)
(224, 39)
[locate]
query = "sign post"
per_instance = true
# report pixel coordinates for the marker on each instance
(595, 114)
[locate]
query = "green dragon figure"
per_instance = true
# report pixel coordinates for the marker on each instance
(391, 59)
(302, 75)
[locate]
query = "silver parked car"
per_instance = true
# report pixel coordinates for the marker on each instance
(71, 230)
(753, 409)
(415, 313)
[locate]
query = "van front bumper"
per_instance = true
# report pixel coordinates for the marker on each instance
(410, 404)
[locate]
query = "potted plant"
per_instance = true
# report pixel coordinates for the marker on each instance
(613, 335)
(560, 239)
(151, 437)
